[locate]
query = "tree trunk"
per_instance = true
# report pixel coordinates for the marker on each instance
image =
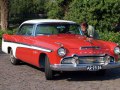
(4, 14)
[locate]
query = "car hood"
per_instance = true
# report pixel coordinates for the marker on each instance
(72, 41)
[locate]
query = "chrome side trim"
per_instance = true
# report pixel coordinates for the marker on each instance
(17, 44)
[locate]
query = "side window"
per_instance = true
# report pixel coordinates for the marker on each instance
(26, 29)
(62, 28)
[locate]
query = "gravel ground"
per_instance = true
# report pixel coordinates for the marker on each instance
(27, 77)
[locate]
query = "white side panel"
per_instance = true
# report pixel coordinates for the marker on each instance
(14, 46)
(5, 46)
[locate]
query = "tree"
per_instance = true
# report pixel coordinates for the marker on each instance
(56, 8)
(4, 14)
(102, 14)
(21, 10)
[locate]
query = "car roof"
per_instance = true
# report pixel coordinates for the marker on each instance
(40, 21)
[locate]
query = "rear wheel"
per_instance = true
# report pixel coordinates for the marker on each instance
(13, 60)
(48, 71)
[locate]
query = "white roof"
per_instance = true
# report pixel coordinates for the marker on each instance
(38, 21)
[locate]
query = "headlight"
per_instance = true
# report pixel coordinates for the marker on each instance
(61, 52)
(117, 50)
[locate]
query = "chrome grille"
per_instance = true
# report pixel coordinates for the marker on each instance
(84, 60)
(87, 59)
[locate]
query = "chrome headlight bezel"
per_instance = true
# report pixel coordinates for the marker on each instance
(117, 50)
(61, 52)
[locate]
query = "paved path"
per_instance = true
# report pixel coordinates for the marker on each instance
(26, 77)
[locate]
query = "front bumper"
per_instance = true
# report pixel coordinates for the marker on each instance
(82, 67)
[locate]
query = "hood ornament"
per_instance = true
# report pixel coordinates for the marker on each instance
(60, 44)
(89, 39)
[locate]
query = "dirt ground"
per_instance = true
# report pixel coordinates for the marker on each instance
(27, 77)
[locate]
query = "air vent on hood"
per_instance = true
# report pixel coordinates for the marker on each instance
(90, 47)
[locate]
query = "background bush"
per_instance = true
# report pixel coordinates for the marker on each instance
(8, 32)
(104, 15)
(110, 36)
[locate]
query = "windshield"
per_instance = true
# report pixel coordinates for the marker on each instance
(57, 28)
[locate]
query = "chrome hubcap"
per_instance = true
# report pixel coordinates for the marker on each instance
(11, 57)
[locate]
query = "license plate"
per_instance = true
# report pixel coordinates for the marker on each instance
(94, 68)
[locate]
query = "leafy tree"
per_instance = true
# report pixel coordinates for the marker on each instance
(21, 10)
(56, 8)
(103, 14)
(100, 13)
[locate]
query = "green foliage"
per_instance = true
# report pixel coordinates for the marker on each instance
(8, 32)
(103, 14)
(56, 9)
(21, 10)
(110, 36)
(1, 33)
(53, 9)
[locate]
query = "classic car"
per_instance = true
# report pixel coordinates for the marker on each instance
(59, 45)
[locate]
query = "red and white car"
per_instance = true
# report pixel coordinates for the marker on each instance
(58, 45)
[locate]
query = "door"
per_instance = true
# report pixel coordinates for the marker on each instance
(24, 50)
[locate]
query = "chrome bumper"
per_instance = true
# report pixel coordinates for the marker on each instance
(82, 67)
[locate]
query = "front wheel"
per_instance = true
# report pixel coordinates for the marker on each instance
(13, 60)
(48, 71)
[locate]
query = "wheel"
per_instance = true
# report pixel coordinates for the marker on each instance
(13, 60)
(48, 71)
(101, 72)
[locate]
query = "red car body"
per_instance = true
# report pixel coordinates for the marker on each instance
(77, 53)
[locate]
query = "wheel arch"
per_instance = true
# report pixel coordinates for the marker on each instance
(9, 48)
(42, 60)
